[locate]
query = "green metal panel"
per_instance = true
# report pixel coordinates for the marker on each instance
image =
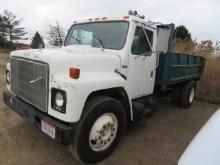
(175, 68)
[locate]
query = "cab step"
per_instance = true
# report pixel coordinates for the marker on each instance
(144, 107)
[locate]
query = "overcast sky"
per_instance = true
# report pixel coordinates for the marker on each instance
(201, 17)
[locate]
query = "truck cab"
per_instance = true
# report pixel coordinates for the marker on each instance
(86, 92)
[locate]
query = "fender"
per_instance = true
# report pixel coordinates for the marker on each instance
(78, 92)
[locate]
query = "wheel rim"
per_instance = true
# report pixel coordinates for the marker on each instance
(103, 132)
(192, 94)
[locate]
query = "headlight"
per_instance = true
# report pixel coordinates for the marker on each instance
(7, 77)
(58, 100)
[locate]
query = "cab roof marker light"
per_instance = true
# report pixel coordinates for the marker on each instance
(96, 19)
(104, 18)
(126, 17)
(90, 19)
(74, 21)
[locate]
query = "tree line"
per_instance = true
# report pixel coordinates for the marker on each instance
(184, 42)
(55, 36)
(12, 31)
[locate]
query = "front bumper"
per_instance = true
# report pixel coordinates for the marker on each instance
(64, 131)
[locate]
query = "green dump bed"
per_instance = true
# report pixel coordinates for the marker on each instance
(176, 68)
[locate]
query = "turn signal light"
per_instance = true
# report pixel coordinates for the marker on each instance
(126, 17)
(74, 73)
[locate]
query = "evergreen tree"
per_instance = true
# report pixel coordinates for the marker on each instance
(11, 25)
(3, 28)
(182, 33)
(37, 41)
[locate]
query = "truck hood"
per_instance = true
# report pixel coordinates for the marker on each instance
(86, 58)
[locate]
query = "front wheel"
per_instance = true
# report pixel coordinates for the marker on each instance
(99, 130)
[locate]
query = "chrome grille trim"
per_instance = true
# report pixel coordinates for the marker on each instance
(29, 81)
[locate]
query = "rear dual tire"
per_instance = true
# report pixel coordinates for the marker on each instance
(183, 95)
(100, 129)
(188, 94)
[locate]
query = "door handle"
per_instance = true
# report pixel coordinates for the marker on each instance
(151, 74)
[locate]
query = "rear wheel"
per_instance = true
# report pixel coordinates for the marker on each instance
(176, 94)
(188, 94)
(99, 130)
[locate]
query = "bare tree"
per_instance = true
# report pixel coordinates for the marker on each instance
(55, 34)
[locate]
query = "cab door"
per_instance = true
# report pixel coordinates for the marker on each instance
(142, 62)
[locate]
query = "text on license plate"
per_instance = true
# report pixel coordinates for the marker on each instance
(48, 129)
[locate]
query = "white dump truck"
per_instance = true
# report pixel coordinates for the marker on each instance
(104, 78)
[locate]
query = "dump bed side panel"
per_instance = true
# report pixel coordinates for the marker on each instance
(176, 68)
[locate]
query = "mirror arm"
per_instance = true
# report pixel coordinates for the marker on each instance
(147, 38)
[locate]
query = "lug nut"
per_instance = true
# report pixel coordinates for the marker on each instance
(93, 141)
(101, 141)
(102, 133)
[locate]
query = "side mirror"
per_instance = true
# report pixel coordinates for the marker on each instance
(163, 36)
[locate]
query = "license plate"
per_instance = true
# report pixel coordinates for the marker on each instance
(48, 129)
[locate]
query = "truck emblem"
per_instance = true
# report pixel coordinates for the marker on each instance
(33, 81)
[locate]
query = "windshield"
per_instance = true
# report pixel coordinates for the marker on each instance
(111, 35)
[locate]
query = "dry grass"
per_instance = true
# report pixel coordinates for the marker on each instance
(209, 85)
(4, 58)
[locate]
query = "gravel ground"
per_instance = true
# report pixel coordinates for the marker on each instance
(159, 140)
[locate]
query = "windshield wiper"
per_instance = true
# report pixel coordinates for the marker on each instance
(99, 41)
(144, 55)
(76, 40)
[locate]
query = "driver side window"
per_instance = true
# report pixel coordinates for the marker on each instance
(140, 44)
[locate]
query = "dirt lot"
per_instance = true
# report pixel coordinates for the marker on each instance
(159, 140)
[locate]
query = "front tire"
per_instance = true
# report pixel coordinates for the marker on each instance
(100, 129)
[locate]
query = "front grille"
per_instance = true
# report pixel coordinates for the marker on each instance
(29, 81)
